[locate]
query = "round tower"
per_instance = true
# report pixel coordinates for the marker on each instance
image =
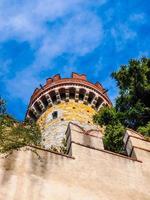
(64, 100)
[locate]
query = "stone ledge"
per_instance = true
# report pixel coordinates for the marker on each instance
(133, 131)
(141, 148)
(109, 152)
(143, 139)
(50, 151)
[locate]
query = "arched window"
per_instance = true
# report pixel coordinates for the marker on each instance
(82, 94)
(62, 93)
(37, 107)
(72, 93)
(43, 99)
(99, 102)
(53, 96)
(91, 97)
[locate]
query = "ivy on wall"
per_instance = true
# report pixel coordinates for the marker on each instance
(14, 134)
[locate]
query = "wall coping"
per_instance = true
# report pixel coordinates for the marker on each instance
(106, 151)
(143, 139)
(86, 146)
(51, 151)
(136, 137)
(137, 133)
(141, 148)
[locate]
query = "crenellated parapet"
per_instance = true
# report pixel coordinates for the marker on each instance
(57, 90)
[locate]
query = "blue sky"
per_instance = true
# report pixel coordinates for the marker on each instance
(41, 38)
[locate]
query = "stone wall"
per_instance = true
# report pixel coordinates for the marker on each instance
(53, 130)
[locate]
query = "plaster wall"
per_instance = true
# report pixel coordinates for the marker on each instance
(90, 174)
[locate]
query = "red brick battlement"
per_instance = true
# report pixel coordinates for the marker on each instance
(75, 79)
(76, 87)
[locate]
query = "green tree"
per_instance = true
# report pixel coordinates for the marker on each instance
(14, 134)
(132, 108)
(145, 130)
(106, 116)
(113, 139)
(114, 130)
(133, 101)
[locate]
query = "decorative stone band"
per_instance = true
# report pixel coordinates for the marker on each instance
(64, 92)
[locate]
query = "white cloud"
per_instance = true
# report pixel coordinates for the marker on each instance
(75, 36)
(138, 17)
(4, 67)
(51, 27)
(22, 85)
(121, 34)
(98, 68)
(26, 20)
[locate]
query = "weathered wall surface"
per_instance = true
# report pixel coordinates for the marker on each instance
(53, 130)
(93, 174)
(68, 111)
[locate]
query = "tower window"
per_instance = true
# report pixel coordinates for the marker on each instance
(54, 114)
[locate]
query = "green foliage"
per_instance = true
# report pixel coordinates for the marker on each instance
(114, 131)
(105, 116)
(145, 130)
(133, 101)
(113, 139)
(132, 107)
(14, 135)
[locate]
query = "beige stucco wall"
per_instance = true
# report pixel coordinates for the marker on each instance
(91, 175)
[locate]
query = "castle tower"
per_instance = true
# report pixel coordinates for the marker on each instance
(64, 100)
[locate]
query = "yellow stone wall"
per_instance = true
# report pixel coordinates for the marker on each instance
(70, 111)
(53, 130)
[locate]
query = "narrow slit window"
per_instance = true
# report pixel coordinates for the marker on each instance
(54, 114)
